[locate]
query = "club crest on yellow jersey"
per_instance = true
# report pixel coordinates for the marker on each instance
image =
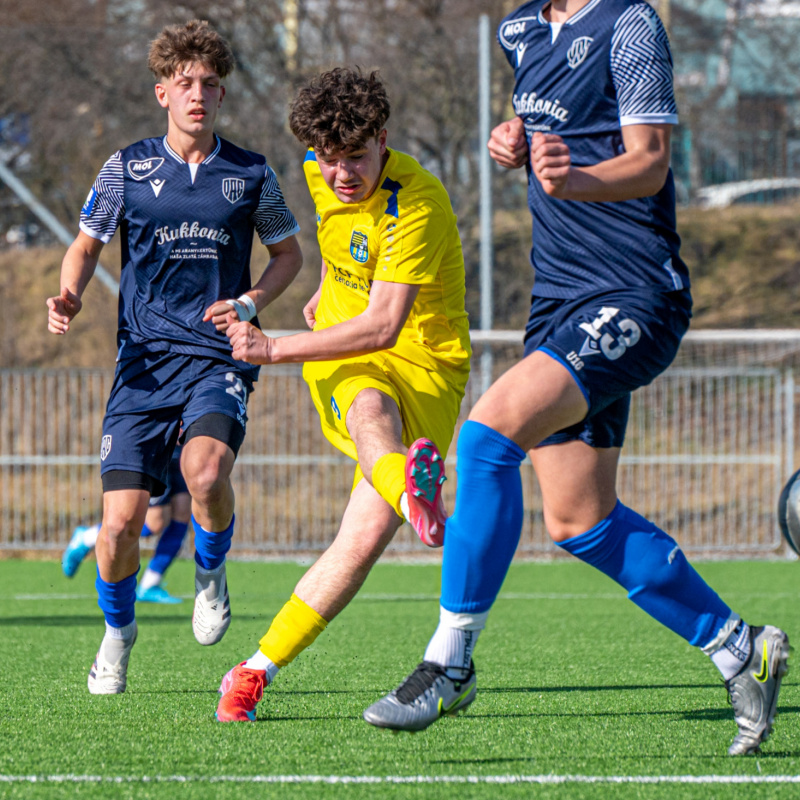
(359, 246)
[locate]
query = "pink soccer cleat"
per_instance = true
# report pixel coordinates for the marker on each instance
(424, 479)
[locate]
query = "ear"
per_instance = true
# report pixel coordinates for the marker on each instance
(382, 141)
(161, 95)
(221, 95)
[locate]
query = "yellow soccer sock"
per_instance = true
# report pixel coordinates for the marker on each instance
(293, 629)
(389, 479)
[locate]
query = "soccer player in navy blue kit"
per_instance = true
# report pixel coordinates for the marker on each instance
(187, 205)
(594, 111)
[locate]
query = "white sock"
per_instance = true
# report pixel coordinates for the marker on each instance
(89, 537)
(202, 571)
(454, 640)
(125, 633)
(259, 661)
(404, 506)
(149, 579)
(734, 652)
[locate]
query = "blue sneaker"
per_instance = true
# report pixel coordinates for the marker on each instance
(156, 594)
(76, 551)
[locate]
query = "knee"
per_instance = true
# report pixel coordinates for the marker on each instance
(564, 524)
(121, 528)
(560, 530)
(207, 483)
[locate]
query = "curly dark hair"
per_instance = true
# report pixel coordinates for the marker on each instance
(196, 41)
(339, 110)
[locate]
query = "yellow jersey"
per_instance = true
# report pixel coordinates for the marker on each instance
(404, 232)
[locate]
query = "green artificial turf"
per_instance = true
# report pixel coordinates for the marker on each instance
(573, 680)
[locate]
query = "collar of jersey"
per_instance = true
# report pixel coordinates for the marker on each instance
(574, 18)
(206, 160)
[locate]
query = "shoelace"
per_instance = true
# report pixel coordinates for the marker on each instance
(418, 682)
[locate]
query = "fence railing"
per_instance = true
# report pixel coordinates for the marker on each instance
(709, 445)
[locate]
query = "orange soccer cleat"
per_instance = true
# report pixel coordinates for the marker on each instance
(241, 689)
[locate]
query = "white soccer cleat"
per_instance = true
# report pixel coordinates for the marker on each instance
(754, 690)
(212, 607)
(109, 673)
(423, 697)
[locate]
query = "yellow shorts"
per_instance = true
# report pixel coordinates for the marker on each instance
(429, 402)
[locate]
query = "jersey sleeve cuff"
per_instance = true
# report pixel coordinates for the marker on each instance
(648, 119)
(274, 239)
(104, 238)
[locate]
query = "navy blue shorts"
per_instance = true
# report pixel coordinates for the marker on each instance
(155, 395)
(176, 483)
(612, 343)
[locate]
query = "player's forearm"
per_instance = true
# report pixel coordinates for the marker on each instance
(355, 337)
(280, 272)
(639, 172)
(77, 268)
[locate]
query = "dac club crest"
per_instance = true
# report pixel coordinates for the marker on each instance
(233, 189)
(359, 246)
(578, 51)
(105, 447)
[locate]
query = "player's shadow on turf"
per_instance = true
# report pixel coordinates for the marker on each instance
(724, 712)
(79, 620)
(606, 688)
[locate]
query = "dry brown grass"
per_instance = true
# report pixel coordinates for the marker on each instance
(29, 277)
(744, 260)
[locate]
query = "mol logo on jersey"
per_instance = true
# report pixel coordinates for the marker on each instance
(359, 246)
(578, 51)
(232, 189)
(144, 168)
(513, 29)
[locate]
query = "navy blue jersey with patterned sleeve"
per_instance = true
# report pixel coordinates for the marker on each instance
(607, 66)
(187, 234)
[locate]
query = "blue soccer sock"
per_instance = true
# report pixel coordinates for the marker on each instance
(210, 546)
(146, 532)
(483, 533)
(116, 600)
(649, 564)
(168, 547)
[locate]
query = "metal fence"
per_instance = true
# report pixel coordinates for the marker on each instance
(710, 443)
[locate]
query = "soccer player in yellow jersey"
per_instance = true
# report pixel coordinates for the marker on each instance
(387, 359)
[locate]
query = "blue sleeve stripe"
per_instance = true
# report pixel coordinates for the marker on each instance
(272, 219)
(310, 155)
(103, 214)
(394, 187)
(641, 64)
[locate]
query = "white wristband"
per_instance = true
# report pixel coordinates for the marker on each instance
(245, 307)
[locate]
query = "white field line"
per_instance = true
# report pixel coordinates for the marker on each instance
(407, 779)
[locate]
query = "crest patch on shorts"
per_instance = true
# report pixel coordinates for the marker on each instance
(105, 447)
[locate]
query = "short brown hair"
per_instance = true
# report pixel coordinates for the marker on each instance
(340, 109)
(194, 42)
